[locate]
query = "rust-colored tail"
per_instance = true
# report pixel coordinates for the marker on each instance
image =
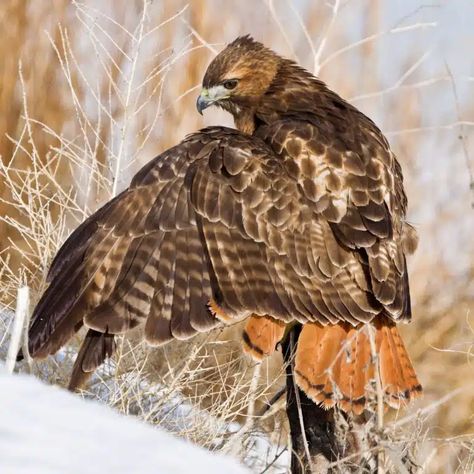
(261, 335)
(334, 365)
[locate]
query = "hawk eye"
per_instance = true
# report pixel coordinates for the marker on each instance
(230, 84)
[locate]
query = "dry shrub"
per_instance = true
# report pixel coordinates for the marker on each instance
(90, 91)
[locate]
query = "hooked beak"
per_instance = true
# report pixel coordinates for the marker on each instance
(210, 96)
(203, 101)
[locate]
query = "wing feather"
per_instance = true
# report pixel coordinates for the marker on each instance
(229, 217)
(355, 185)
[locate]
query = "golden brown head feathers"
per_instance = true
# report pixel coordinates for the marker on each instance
(246, 60)
(239, 76)
(248, 79)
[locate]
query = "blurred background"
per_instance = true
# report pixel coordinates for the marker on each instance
(90, 91)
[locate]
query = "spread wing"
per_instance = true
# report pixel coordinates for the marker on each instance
(355, 184)
(139, 260)
(221, 216)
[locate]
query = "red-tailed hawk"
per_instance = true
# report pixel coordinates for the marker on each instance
(296, 216)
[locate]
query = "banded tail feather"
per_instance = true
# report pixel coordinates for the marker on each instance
(335, 365)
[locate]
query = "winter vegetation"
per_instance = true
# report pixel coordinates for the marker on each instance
(90, 91)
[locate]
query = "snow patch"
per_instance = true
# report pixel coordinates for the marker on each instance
(47, 430)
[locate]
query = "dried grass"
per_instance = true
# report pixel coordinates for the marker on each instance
(90, 91)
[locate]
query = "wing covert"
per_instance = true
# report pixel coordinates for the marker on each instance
(271, 251)
(354, 182)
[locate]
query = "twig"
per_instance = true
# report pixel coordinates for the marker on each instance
(277, 21)
(356, 455)
(131, 78)
(462, 136)
(448, 126)
(428, 409)
(298, 400)
(272, 402)
(400, 29)
(275, 459)
(199, 37)
(234, 446)
(415, 85)
(22, 306)
(379, 391)
(412, 68)
(322, 43)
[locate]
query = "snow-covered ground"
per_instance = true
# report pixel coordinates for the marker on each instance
(46, 430)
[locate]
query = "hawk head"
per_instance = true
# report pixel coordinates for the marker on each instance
(239, 76)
